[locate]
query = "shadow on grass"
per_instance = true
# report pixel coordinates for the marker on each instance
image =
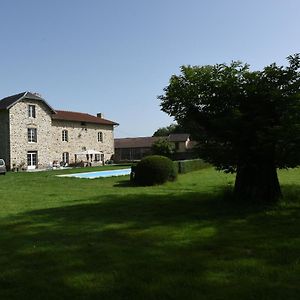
(123, 183)
(291, 193)
(152, 246)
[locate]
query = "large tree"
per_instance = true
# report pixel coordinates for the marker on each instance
(245, 121)
(165, 131)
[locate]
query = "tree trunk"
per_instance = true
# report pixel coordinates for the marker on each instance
(257, 182)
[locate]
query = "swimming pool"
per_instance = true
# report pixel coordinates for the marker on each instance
(93, 175)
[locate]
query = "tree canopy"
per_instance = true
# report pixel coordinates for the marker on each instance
(165, 131)
(245, 121)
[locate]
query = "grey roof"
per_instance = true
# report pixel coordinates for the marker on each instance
(8, 102)
(30, 95)
(178, 137)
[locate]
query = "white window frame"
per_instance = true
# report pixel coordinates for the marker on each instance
(31, 111)
(65, 136)
(66, 157)
(32, 135)
(32, 160)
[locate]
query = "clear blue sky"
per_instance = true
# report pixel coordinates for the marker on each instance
(116, 56)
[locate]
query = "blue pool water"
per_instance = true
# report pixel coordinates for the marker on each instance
(93, 175)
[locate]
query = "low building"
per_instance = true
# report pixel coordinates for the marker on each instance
(130, 149)
(35, 135)
(182, 142)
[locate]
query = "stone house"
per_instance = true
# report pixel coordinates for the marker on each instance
(34, 135)
(130, 149)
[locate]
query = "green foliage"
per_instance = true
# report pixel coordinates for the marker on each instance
(153, 170)
(163, 147)
(165, 131)
(244, 120)
(239, 114)
(186, 166)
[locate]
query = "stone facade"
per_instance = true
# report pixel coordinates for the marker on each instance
(80, 138)
(19, 124)
(15, 147)
(4, 136)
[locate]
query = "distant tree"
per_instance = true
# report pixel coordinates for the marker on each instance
(165, 131)
(245, 121)
(162, 147)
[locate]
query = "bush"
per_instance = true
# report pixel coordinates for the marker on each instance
(153, 170)
(132, 174)
(163, 147)
(186, 166)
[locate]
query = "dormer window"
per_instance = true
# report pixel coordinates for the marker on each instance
(65, 135)
(31, 111)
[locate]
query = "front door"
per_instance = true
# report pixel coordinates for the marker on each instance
(31, 160)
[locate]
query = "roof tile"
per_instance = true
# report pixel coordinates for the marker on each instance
(146, 142)
(80, 117)
(8, 101)
(139, 142)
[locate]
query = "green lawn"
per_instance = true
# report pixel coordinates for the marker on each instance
(68, 238)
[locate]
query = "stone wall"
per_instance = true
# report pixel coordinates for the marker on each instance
(80, 138)
(19, 123)
(181, 146)
(49, 145)
(4, 136)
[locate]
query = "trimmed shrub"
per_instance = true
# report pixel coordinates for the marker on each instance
(186, 166)
(154, 169)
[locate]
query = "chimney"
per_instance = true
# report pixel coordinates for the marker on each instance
(100, 115)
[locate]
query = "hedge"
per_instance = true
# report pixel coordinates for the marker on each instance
(186, 166)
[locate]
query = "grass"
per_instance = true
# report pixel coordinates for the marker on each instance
(69, 238)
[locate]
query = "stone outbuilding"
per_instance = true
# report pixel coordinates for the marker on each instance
(35, 135)
(131, 149)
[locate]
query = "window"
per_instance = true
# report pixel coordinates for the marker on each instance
(100, 136)
(97, 157)
(31, 111)
(32, 135)
(65, 135)
(65, 157)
